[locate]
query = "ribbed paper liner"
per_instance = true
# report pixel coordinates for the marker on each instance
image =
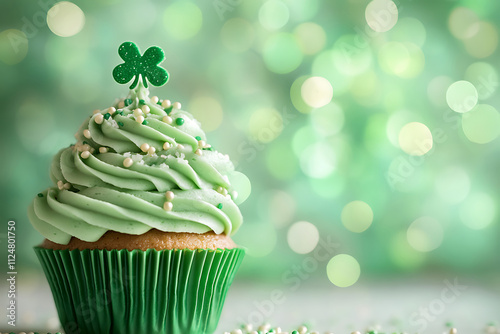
(121, 291)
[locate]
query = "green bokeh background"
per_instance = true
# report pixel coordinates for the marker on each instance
(250, 61)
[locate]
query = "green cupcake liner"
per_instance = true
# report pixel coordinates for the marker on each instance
(121, 291)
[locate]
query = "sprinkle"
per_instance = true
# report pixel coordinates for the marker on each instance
(234, 194)
(219, 206)
(198, 152)
(177, 105)
(141, 101)
(107, 115)
(453, 331)
(96, 111)
(128, 162)
(103, 149)
(60, 185)
(154, 99)
(169, 195)
(167, 146)
(167, 119)
(168, 110)
(127, 102)
(198, 138)
(85, 154)
(145, 147)
(145, 109)
(224, 191)
(111, 110)
(139, 119)
(168, 206)
(66, 186)
(151, 150)
(120, 123)
(180, 147)
(166, 103)
(145, 122)
(202, 143)
(237, 331)
(121, 104)
(303, 329)
(119, 112)
(40, 195)
(137, 112)
(86, 133)
(99, 118)
(179, 121)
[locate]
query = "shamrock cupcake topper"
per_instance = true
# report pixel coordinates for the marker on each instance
(145, 66)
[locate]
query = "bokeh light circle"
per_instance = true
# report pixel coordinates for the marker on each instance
(317, 92)
(328, 120)
(350, 56)
(302, 237)
(463, 23)
(65, 19)
(237, 35)
(461, 96)
(453, 185)
(357, 216)
(318, 160)
(241, 184)
(13, 46)
(484, 42)
(273, 14)
(182, 19)
(381, 15)
(405, 60)
(265, 125)
(207, 111)
(324, 65)
(281, 161)
(281, 53)
(409, 30)
(415, 139)
(343, 270)
(437, 88)
(478, 211)
(484, 77)
(481, 125)
(425, 234)
(311, 37)
(403, 255)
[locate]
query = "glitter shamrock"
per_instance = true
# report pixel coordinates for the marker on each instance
(145, 66)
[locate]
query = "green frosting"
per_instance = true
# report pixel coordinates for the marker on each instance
(97, 190)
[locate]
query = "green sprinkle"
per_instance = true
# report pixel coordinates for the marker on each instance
(120, 123)
(141, 101)
(159, 102)
(119, 112)
(198, 138)
(145, 122)
(127, 102)
(168, 110)
(85, 143)
(208, 148)
(295, 332)
(40, 195)
(107, 115)
(179, 121)
(219, 206)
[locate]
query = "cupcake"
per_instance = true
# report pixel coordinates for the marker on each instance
(138, 224)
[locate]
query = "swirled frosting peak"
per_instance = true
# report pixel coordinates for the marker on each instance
(143, 163)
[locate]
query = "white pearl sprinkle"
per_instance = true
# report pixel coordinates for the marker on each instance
(168, 206)
(128, 162)
(201, 143)
(145, 147)
(234, 194)
(169, 195)
(167, 145)
(237, 331)
(96, 111)
(224, 191)
(166, 103)
(198, 152)
(137, 112)
(111, 110)
(302, 329)
(167, 119)
(86, 133)
(154, 99)
(121, 104)
(248, 327)
(180, 147)
(85, 154)
(139, 119)
(103, 149)
(357, 332)
(151, 150)
(177, 105)
(453, 331)
(99, 118)
(60, 185)
(66, 186)
(145, 109)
